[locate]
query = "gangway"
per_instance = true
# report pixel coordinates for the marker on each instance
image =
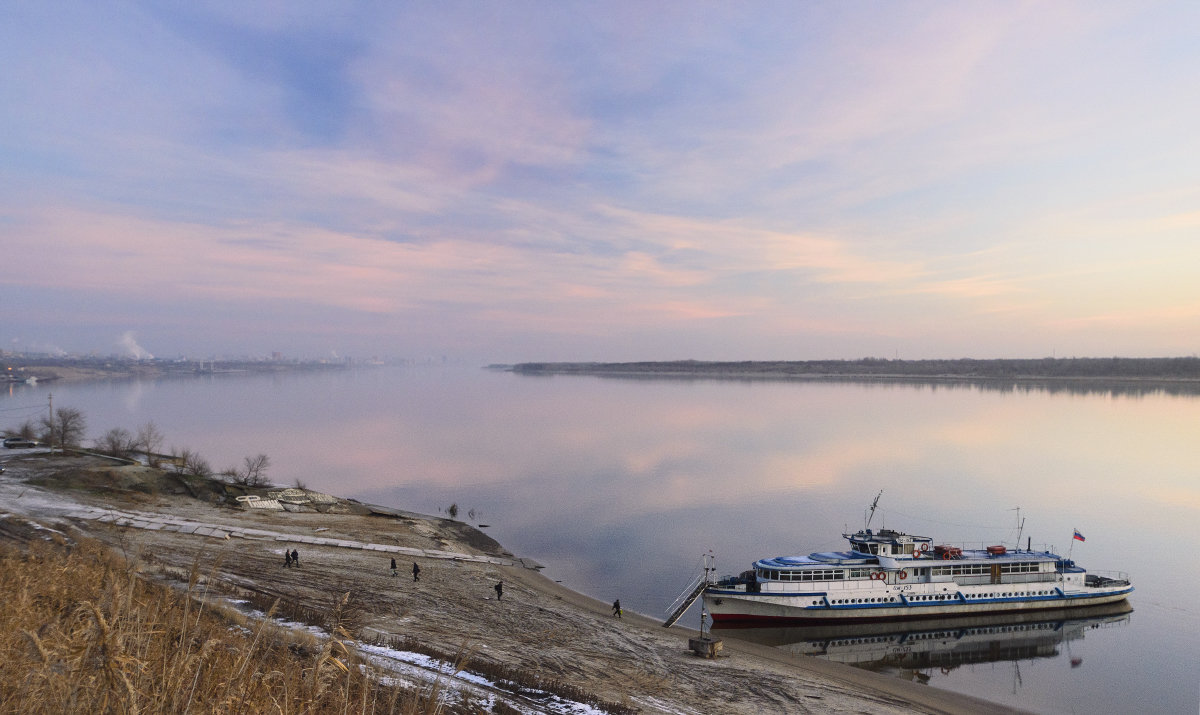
(691, 593)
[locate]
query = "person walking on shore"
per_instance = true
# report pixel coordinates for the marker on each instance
(295, 558)
(393, 566)
(416, 572)
(617, 608)
(499, 590)
(287, 558)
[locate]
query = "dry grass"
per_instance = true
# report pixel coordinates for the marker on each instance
(80, 631)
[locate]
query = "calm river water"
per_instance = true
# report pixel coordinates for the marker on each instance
(620, 486)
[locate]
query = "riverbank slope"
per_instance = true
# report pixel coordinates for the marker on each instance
(538, 627)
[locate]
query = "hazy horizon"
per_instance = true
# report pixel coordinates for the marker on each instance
(619, 182)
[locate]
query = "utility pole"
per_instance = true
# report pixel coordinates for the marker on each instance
(51, 396)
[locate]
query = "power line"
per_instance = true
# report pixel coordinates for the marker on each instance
(16, 409)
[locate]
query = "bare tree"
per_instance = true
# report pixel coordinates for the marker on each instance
(66, 429)
(118, 442)
(188, 462)
(256, 470)
(252, 474)
(149, 440)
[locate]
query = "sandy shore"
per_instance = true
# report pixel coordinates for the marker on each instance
(537, 627)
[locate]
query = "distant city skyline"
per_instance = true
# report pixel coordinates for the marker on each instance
(615, 182)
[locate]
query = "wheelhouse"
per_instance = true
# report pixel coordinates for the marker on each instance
(887, 542)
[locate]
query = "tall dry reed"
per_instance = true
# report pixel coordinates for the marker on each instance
(82, 632)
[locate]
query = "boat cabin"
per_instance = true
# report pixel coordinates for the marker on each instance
(887, 542)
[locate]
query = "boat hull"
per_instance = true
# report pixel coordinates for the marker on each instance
(729, 608)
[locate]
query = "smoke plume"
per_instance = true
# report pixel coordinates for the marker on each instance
(130, 345)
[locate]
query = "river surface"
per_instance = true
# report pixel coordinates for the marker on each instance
(621, 486)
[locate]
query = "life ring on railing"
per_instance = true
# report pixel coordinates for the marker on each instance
(924, 548)
(903, 575)
(946, 556)
(879, 575)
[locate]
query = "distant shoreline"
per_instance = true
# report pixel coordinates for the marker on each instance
(77, 370)
(1147, 371)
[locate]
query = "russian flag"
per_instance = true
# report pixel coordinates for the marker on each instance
(1078, 536)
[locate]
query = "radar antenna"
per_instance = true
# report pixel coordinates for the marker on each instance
(873, 505)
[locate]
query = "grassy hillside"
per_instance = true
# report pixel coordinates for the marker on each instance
(80, 631)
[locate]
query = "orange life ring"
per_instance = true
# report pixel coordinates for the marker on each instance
(946, 556)
(903, 575)
(878, 575)
(924, 548)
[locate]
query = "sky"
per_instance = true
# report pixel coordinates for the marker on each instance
(526, 181)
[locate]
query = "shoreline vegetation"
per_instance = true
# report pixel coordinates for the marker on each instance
(1173, 374)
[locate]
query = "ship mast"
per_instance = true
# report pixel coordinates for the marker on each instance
(873, 505)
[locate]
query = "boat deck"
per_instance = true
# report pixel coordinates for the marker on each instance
(851, 558)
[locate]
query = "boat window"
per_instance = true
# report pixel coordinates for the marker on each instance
(961, 570)
(1023, 567)
(814, 575)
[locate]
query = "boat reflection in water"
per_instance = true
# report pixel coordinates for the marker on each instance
(918, 650)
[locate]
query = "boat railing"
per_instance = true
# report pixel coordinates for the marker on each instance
(691, 592)
(1107, 578)
(1040, 549)
(686, 599)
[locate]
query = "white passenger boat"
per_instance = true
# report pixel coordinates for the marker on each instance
(891, 575)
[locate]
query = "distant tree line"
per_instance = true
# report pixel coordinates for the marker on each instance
(1181, 368)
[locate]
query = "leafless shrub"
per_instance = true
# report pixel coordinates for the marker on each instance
(117, 442)
(188, 462)
(149, 440)
(252, 474)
